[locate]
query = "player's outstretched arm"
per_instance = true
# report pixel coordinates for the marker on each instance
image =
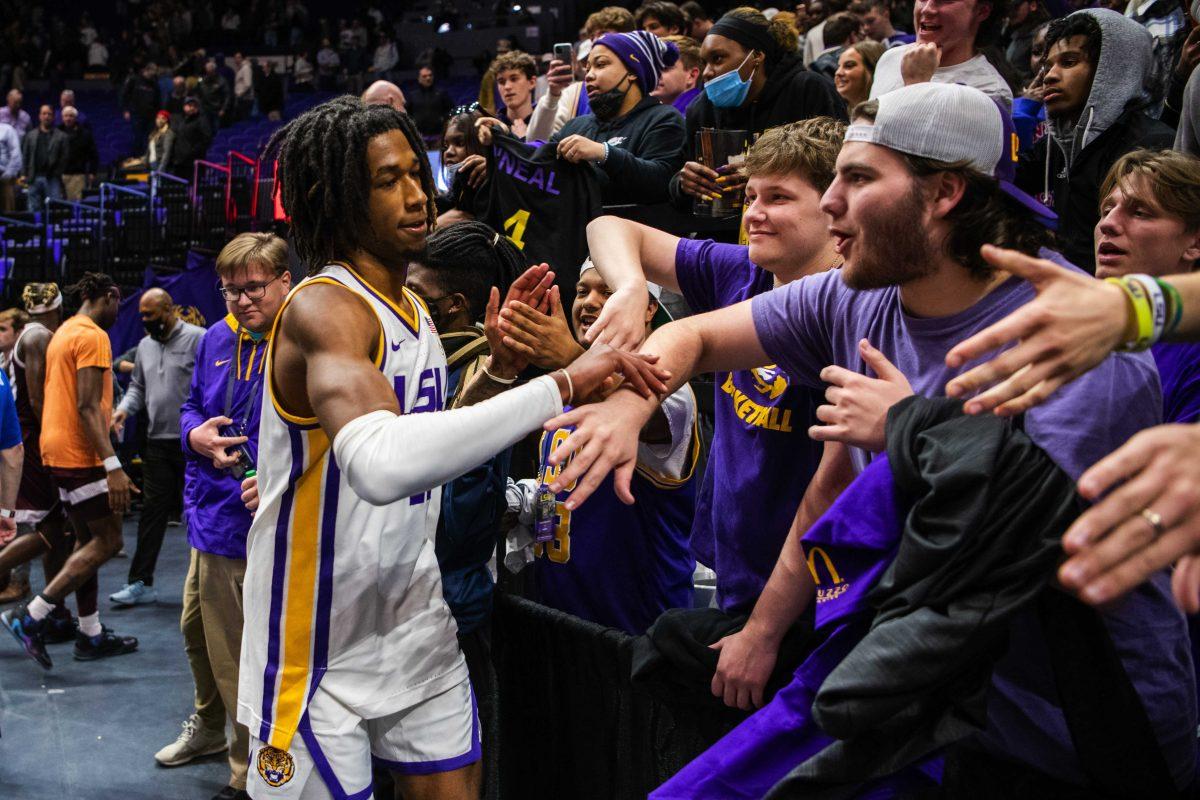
(606, 434)
(387, 456)
(627, 254)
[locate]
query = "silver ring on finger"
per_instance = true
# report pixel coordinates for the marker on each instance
(1155, 520)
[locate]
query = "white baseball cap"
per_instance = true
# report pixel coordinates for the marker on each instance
(953, 123)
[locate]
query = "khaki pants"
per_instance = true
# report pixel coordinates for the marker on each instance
(212, 638)
(73, 186)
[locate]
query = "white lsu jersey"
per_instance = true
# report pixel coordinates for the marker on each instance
(341, 596)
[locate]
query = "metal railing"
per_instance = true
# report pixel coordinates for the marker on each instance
(126, 227)
(22, 258)
(210, 227)
(72, 243)
(127, 233)
(170, 203)
(241, 190)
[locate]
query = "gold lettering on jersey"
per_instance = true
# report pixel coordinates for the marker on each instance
(752, 413)
(838, 586)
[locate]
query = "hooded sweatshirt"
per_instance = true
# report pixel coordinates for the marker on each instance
(1067, 172)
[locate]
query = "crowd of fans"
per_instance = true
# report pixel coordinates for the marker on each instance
(889, 194)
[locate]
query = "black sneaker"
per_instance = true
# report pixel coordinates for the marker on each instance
(59, 627)
(28, 634)
(90, 648)
(230, 793)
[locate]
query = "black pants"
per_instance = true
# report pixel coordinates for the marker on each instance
(162, 490)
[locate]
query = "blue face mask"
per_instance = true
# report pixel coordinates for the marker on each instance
(729, 90)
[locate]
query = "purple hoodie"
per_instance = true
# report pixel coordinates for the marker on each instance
(212, 499)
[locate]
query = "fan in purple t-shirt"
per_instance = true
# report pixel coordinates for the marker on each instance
(920, 190)
(762, 459)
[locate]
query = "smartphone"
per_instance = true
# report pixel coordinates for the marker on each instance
(564, 52)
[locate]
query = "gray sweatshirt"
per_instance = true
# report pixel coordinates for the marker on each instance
(162, 376)
(1187, 137)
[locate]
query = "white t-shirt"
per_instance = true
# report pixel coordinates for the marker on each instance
(975, 72)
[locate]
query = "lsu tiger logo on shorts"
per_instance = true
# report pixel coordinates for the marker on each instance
(275, 766)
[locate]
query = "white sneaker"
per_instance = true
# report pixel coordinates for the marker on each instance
(134, 594)
(193, 742)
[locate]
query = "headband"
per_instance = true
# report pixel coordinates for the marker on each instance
(746, 33)
(44, 307)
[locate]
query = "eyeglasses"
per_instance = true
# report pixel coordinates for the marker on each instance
(231, 294)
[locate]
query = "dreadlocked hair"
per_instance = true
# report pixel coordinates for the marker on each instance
(92, 286)
(322, 158)
(469, 258)
(39, 294)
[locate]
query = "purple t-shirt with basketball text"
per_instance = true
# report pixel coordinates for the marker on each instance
(818, 321)
(761, 458)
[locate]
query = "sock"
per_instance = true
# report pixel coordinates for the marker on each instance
(90, 625)
(40, 607)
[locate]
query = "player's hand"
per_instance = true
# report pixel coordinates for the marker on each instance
(622, 320)
(605, 440)
(599, 370)
(558, 77)
(206, 440)
(858, 414)
(1071, 326)
(118, 422)
(743, 669)
(120, 491)
(699, 181)
(484, 127)
(919, 63)
(250, 493)
(544, 340)
(474, 170)
(1115, 544)
(576, 149)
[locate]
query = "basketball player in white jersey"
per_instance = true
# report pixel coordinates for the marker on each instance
(349, 652)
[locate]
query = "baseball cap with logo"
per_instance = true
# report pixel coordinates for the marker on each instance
(952, 123)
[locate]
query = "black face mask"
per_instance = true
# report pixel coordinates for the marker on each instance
(156, 328)
(606, 105)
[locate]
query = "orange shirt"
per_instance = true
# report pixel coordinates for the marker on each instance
(77, 344)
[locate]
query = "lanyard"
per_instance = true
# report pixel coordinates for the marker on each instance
(231, 379)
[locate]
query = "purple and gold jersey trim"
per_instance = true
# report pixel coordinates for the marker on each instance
(411, 321)
(301, 587)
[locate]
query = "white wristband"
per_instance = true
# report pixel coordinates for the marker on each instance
(1158, 304)
(112, 464)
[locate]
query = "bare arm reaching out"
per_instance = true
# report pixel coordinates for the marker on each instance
(606, 434)
(627, 254)
(332, 373)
